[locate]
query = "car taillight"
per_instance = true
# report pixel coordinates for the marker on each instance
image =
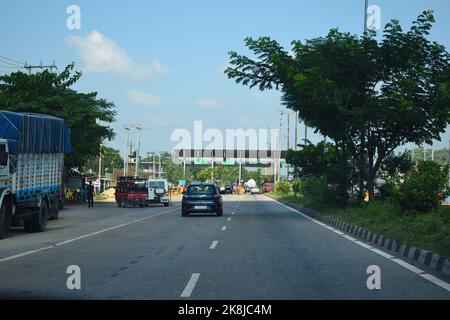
(167, 193)
(185, 196)
(216, 196)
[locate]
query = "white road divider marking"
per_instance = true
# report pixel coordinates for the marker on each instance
(83, 236)
(190, 286)
(214, 244)
(429, 277)
(223, 228)
(25, 254)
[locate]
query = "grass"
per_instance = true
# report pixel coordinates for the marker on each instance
(428, 231)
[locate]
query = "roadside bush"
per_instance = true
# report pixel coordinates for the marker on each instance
(297, 187)
(283, 187)
(317, 193)
(421, 190)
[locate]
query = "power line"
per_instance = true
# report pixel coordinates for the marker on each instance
(11, 63)
(11, 67)
(12, 60)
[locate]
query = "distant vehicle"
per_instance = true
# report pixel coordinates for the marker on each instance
(222, 189)
(228, 189)
(255, 190)
(131, 191)
(202, 197)
(32, 148)
(158, 191)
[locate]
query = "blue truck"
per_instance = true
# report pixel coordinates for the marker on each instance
(32, 148)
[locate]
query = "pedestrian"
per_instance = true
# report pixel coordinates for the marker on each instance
(90, 194)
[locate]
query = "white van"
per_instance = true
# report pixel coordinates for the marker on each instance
(158, 191)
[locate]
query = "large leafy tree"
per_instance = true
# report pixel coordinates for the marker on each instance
(111, 160)
(87, 116)
(370, 96)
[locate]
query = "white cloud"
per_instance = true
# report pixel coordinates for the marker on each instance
(244, 120)
(101, 54)
(207, 103)
(142, 98)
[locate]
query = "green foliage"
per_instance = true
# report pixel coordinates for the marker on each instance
(50, 93)
(323, 160)
(422, 189)
(317, 194)
(297, 186)
(370, 96)
(283, 187)
(395, 166)
(429, 231)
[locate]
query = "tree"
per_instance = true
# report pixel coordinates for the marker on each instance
(50, 93)
(369, 96)
(110, 159)
(323, 160)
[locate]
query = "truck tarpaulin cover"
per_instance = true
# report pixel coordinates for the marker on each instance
(34, 133)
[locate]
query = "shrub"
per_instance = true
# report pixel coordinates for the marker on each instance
(421, 190)
(283, 187)
(297, 187)
(317, 193)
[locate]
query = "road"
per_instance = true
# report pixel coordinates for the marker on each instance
(258, 249)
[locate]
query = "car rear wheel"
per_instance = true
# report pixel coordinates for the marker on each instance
(220, 212)
(184, 213)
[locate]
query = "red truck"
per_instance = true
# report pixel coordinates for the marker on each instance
(131, 191)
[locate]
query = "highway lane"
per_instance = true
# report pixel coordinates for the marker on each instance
(257, 250)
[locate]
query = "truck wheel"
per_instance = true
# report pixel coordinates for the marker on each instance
(55, 212)
(2, 220)
(38, 222)
(166, 204)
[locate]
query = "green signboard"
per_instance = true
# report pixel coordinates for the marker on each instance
(200, 161)
(228, 162)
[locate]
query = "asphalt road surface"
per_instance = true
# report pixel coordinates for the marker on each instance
(258, 249)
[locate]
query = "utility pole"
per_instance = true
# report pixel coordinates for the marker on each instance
(296, 131)
(136, 171)
(289, 131)
(154, 165)
(184, 167)
(29, 67)
(240, 166)
(126, 157)
(448, 163)
(159, 165)
(306, 134)
(366, 7)
(212, 169)
(100, 165)
(424, 154)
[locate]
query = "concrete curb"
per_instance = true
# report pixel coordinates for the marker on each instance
(432, 260)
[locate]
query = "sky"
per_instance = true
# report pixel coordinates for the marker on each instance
(162, 62)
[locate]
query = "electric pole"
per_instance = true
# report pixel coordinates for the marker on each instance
(136, 171)
(366, 7)
(29, 67)
(126, 157)
(296, 130)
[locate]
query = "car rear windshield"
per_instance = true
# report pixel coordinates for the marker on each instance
(156, 184)
(201, 189)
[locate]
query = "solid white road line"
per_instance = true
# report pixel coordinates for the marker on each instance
(223, 228)
(83, 236)
(214, 244)
(229, 219)
(190, 286)
(25, 254)
(429, 277)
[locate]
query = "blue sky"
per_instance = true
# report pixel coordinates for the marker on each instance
(161, 62)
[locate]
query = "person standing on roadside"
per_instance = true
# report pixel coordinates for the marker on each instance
(90, 194)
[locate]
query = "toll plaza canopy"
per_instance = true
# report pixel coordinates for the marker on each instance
(34, 133)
